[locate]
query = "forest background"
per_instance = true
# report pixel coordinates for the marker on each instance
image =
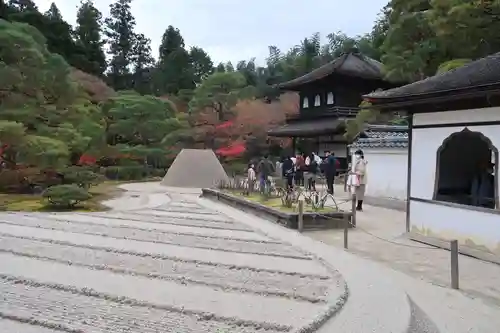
(93, 94)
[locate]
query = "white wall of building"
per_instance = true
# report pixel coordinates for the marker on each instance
(387, 172)
(479, 229)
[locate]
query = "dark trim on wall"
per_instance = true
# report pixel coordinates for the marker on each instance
(464, 124)
(408, 176)
(458, 206)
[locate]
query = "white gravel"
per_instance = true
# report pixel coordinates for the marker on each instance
(178, 267)
(228, 258)
(223, 278)
(167, 293)
(118, 222)
(192, 215)
(196, 241)
(74, 312)
(11, 326)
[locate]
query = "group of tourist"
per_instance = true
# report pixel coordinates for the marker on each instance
(304, 169)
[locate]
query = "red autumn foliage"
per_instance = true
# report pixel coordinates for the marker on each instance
(96, 88)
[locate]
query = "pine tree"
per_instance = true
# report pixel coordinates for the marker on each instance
(59, 34)
(121, 39)
(201, 63)
(174, 72)
(171, 41)
(23, 5)
(54, 13)
(88, 34)
(143, 65)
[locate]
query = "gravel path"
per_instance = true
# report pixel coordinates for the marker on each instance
(176, 268)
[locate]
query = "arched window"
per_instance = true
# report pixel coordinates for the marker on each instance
(317, 100)
(305, 103)
(329, 99)
(466, 171)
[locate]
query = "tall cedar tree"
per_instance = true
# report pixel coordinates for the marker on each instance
(143, 65)
(88, 35)
(201, 63)
(59, 35)
(174, 71)
(121, 39)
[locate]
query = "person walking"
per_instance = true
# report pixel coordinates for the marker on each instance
(300, 166)
(288, 172)
(251, 178)
(265, 169)
(330, 169)
(360, 171)
(311, 173)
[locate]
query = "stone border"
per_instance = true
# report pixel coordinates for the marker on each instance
(334, 220)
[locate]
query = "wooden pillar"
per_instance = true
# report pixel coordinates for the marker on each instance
(409, 166)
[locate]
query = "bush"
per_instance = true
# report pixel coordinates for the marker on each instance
(81, 176)
(135, 172)
(65, 196)
(236, 168)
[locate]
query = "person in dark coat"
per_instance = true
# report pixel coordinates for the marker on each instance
(330, 170)
(288, 171)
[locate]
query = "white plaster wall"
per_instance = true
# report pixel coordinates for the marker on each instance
(472, 228)
(387, 172)
(457, 117)
(447, 222)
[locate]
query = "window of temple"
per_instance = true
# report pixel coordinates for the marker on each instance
(305, 103)
(317, 100)
(329, 98)
(467, 171)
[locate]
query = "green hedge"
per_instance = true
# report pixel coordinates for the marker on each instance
(133, 172)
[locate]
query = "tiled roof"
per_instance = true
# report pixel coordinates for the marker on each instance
(352, 64)
(308, 128)
(480, 73)
(382, 136)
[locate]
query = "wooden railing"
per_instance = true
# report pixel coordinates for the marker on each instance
(317, 112)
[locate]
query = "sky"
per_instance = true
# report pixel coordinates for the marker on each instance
(234, 30)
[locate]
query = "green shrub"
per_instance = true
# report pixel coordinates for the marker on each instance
(81, 176)
(236, 168)
(65, 196)
(135, 172)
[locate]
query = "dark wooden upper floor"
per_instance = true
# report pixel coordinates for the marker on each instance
(337, 88)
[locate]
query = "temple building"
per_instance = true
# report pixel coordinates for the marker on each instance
(329, 96)
(454, 135)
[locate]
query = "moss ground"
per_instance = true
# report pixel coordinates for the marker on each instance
(276, 203)
(35, 203)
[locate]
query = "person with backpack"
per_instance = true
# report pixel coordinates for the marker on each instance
(310, 175)
(288, 172)
(265, 169)
(330, 169)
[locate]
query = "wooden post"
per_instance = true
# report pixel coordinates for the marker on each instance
(346, 230)
(454, 264)
(353, 209)
(301, 216)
